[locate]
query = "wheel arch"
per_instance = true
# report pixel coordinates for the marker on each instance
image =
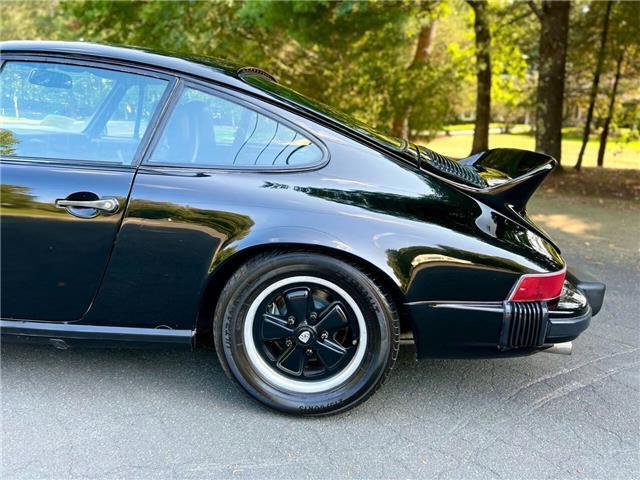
(226, 268)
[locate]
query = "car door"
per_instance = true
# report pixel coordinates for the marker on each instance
(70, 137)
(185, 205)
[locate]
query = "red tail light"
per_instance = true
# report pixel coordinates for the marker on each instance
(538, 286)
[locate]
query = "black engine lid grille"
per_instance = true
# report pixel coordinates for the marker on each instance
(452, 168)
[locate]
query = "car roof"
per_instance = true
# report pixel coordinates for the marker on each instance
(205, 67)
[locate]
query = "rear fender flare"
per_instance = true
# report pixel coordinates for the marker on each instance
(301, 237)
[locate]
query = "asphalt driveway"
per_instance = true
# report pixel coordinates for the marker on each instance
(163, 414)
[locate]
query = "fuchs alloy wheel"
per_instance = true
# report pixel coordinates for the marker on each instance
(306, 333)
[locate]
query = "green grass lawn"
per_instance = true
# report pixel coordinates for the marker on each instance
(467, 126)
(517, 128)
(618, 155)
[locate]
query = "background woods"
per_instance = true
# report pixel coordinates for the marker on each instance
(561, 77)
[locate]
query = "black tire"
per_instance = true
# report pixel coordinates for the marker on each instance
(371, 359)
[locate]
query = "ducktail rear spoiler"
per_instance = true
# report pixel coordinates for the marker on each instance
(501, 177)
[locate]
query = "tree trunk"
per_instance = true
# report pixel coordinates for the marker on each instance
(401, 126)
(612, 103)
(554, 22)
(483, 75)
(594, 86)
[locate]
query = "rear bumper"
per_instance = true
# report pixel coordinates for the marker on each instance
(492, 329)
(590, 288)
(562, 330)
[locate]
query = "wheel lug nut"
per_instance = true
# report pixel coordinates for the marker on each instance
(324, 335)
(355, 342)
(288, 342)
(291, 320)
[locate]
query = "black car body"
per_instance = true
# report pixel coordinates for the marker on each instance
(447, 241)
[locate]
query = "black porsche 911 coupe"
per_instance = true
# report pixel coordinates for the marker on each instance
(156, 200)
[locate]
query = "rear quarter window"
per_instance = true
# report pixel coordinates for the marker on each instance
(206, 129)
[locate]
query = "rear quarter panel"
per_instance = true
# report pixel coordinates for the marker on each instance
(429, 240)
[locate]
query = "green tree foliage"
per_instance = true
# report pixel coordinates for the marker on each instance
(623, 35)
(399, 65)
(8, 142)
(366, 58)
(624, 54)
(32, 20)
(604, 33)
(514, 59)
(353, 55)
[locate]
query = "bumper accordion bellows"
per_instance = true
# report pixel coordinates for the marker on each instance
(524, 324)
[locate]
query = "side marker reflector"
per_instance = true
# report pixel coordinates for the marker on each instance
(538, 287)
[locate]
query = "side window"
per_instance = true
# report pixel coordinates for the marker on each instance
(205, 129)
(134, 111)
(72, 112)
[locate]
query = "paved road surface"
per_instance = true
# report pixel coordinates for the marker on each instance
(157, 414)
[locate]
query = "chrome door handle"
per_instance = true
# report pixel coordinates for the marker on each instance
(109, 205)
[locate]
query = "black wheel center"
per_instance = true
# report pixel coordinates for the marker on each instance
(306, 331)
(305, 336)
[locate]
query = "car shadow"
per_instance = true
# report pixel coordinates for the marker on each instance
(196, 377)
